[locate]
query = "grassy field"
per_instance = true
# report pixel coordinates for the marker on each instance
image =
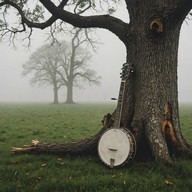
(20, 123)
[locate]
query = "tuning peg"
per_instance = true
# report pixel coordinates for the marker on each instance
(131, 70)
(125, 64)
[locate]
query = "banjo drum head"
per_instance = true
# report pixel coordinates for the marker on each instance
(116, 147)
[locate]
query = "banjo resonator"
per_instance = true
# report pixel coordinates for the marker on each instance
(116, 147)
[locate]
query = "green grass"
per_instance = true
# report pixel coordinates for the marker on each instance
(20, 123)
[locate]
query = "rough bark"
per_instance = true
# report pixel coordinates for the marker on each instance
(154, 56)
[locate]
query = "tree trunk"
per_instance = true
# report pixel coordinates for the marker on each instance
(55, 92)
(86, 146)
(69, 99)
(151, 105)
(154, 84)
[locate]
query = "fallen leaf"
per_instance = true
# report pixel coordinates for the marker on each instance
(121, 173)
(168, 182)
(15, 162)
(35, 142)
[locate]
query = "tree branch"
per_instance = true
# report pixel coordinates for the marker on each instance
(89, 75)
(183, 8)
(24, 19)
(113, 24)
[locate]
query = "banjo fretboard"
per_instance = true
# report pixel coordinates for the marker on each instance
(126, 71)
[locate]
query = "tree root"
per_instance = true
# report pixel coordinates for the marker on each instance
(85, 146)
(179, 149)
(89, 145)
(175, 145)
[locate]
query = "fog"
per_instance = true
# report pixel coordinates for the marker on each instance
(107, 63)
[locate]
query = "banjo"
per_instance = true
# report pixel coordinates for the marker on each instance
(117, 145)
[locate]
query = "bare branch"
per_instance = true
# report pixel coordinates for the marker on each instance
(183, 8)
(85, 8)
(24, 21)
(90, 76)
(113, 24)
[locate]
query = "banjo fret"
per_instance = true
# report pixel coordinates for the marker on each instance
(126, 71)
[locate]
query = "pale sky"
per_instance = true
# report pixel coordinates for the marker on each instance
(107, 62)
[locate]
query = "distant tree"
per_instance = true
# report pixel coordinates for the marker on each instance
(63, 64)
(74, 64)
(43, 64)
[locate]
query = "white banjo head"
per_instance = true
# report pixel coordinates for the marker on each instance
(116, 147)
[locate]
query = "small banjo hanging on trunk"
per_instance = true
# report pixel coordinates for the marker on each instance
(117, 144)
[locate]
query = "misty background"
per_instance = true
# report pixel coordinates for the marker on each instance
(106, 62)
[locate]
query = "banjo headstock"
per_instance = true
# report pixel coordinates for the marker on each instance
(126, 70)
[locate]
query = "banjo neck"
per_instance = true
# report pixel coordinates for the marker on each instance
(126, 70)
(119, 105)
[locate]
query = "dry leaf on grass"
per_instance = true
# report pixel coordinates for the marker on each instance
(168, 182)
